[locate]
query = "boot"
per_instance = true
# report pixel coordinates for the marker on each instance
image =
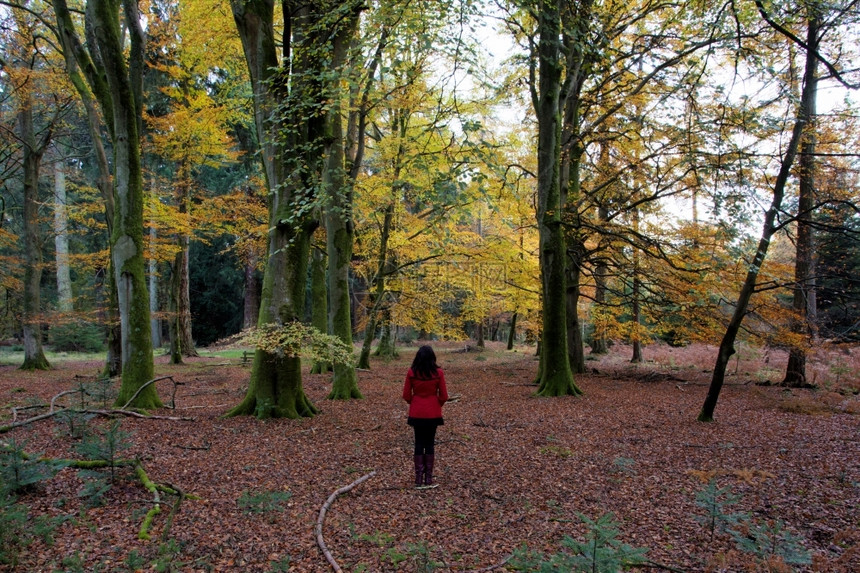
(428, 468)
(419, 469)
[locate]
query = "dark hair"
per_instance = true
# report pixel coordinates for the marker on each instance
(424, 365)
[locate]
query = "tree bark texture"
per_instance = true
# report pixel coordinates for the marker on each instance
(340, 228)
(319, 301)
(804, 116)
(804, 300)
(290, 127)
(61, 240)
(556, 377)
(33, 150)
(124, 82)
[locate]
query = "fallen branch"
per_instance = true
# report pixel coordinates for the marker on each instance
(206, 445)
(153, 381)
(108, 413)
(492, 567)
(319, 527)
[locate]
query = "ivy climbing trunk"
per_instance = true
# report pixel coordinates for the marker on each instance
(289, 116)
(802, 120)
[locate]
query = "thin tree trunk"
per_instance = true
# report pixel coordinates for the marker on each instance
(34, 355)
(319, 301)
(251, 295)
(512, 333)
(382, 265)
(61, 240)
(575, 351)
(599, 344)
(804, 116)
(153, 293)
(804, 301)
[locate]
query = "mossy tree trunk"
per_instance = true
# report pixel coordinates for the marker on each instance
(556, 377)
(123, 96)
(340, 228)
(319, 301)
(386, 347)
(803, 118)
(92, 90)
(289, 116)
(33, 150)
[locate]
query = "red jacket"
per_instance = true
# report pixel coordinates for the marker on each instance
(425, 395)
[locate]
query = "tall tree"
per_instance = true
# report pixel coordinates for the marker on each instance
(117, 85)
(26, 69)
(556, 376)
(803, 116)
(290, 119)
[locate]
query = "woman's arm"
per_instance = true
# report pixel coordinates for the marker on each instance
(443, 388)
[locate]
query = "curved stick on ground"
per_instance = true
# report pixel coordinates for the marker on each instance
(319, 527)
(153, 381)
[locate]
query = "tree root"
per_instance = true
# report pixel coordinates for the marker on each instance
(319, 527)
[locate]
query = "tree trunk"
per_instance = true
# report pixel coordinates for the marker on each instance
(61, 240)
(804, 116)
(575, 351)
(556, 377)
(181, 340)
(319, 302)
(512, 333)
(599, 343)
(127, 245)
(34, 355)
(804, 302)
(340, 228)
(251, 295)
(378, 298)
(90, 84)
(287, 104)
(386, 347)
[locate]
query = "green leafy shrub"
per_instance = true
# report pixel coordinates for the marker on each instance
(77, 336)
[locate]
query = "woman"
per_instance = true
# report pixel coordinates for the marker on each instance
(425, 391)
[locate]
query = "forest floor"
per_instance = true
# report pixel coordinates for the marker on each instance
(513, 470)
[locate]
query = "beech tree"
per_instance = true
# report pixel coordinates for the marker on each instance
(290, 119)
(116, 84)
(28, 72)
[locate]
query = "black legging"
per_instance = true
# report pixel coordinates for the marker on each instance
(425, 440)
